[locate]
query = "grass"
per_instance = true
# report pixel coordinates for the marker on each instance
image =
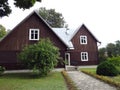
(24, 81)
(111, 80)
(117, 78)
(92, 70)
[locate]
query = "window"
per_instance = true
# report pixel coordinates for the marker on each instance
(83, 39)
(84, 56)
(34, 34)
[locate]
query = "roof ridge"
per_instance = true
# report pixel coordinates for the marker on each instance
(37, 13)
(83, 25)
(75, 32)
(17, 25)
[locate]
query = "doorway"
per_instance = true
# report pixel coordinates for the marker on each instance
(67, 58)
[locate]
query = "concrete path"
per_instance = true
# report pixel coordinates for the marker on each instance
(86, 82)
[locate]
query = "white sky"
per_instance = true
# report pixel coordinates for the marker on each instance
(102, 17)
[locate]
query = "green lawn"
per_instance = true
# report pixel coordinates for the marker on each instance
(92, 70)
(24, 81)
(112, 80)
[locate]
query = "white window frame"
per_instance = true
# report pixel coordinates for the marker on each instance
(84, 56)
(83, 39)
(30, 34)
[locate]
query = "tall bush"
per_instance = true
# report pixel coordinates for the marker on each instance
(42, 56)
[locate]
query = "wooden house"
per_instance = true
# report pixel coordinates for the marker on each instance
(78, 47)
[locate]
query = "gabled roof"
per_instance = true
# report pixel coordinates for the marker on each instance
(86, 29)
(68, 44)
(62, 33)
(36, 12)
(65, 36)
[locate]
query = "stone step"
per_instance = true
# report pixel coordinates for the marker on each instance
(71, 68)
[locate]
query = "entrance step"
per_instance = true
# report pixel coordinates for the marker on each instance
(71, 68)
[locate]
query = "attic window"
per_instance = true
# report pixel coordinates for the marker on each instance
(34, 34)
(83, 39)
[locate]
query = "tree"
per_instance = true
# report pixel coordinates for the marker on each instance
(53, 18)
(118, 48)
(5, 9)
(111, 49)
(102, 54)
(2, 31)
(42, 56)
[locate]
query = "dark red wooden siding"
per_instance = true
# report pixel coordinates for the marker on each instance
(90, 47)
(19, 37)
(13, 43)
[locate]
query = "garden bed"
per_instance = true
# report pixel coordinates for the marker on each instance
(111, 80)
(70, 84)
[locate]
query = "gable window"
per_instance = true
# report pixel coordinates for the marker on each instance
(84, 56)
(34, 34)
(83, 39)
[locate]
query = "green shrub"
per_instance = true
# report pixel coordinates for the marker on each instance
(2, 69)
(115, 61)
(107, 69)
(41, 57)
(118, 68)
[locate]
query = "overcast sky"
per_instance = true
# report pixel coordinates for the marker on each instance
(102, 17)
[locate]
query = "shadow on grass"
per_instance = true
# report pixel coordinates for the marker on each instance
(22, 76)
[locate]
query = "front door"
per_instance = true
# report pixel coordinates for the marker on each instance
(67, 58)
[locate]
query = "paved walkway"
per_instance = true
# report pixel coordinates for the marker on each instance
(86, 82)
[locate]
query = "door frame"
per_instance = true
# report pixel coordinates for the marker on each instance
(67, 57)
